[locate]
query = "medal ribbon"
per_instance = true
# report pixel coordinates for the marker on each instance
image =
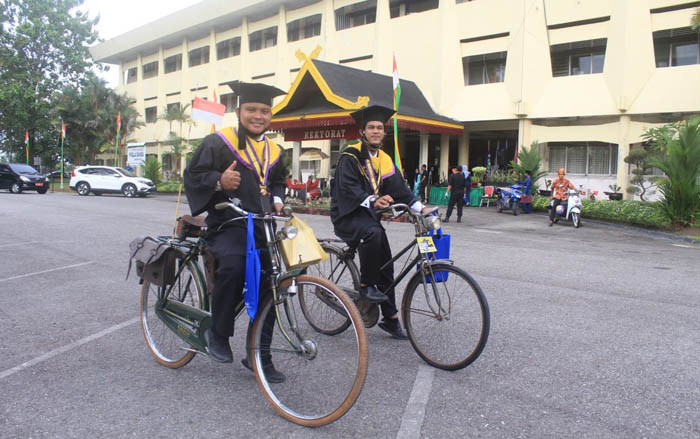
(373, 179)
(261, 168)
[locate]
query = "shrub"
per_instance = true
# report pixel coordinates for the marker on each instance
(640, 213)
(478, 172)
(529, 160)
(169, 186)
(152, 170)
(681, 164)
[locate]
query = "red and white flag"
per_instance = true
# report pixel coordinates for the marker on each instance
(208, 111)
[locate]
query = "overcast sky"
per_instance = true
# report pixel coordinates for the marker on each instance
(118, 17)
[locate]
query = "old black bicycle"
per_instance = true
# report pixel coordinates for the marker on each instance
(325, 374)
(444, 309)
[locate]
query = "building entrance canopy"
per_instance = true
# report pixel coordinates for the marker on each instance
(323, 95)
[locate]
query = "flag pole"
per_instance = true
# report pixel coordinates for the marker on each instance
(397, 97)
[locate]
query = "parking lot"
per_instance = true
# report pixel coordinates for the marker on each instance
(594, 333)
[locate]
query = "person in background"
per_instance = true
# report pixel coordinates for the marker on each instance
(526, 199)
(424, 182)
(456, 189)
(560, 194)
(416, 183)
(468, 183)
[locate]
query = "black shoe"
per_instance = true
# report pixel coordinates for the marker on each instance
(370, 293)
(273, 375)
(446, 220)
(459, 220)
(551, 223)
(218, 347)
(393, 327)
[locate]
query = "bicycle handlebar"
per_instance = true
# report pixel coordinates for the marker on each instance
(234, 204)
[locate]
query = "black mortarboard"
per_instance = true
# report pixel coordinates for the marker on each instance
(375, 112)
(254, 92)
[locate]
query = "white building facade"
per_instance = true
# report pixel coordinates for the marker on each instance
(582, 78)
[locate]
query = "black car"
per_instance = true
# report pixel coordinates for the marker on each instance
(18, 177)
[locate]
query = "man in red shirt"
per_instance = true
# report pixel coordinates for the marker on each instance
(560, 194)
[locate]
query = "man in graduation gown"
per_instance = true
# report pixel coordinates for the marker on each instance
(365, 180)
(236, 163)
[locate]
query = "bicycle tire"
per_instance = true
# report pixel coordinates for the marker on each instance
(308, 396)
(167, 347)
(431, 338)
(343, 275)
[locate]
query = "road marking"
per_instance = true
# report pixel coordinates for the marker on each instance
(682, 246)
(46, 271)
(18, 243)
(66, 348)
(487, 231)
(413, 416)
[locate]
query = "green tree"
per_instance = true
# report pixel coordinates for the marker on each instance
(680, 163)
(528, 160)
(695, 20)
(639, 157)
(43, 48)
(178, 144)
(152, 170)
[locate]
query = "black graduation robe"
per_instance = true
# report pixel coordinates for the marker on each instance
(216, 153)
(352, 186)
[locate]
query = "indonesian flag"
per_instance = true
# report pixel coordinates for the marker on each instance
(26, 143)
(208, 111)
(63, 130)
(397, 96)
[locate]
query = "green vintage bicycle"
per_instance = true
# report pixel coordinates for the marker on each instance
(325, 374)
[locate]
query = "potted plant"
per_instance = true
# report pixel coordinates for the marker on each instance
(478, 174)
(546, 192)
(615, 194)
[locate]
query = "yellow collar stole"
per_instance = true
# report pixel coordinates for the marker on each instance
(375, 169)
(260, 156)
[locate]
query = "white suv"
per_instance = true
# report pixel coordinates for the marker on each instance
(107, 179)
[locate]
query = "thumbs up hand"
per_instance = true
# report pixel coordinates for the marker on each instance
(230, 179)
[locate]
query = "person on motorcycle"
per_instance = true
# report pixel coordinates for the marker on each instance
(366, 179)
(560, 193)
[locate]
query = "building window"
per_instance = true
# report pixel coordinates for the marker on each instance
(199, 56)
(399, 8)
(130, 75)
(595, 158)
(150, 70)
(172, 107)
(335, 151)
(463, 1)
(676, 47)
(303, 28)
(172, 63)
(579, 58)
(484, 69)
(229, 99)
(355, 15)
(228, 48)
(151, 114)
(263, 39)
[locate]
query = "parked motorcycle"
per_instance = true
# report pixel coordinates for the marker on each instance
(509, 198)
(572, 210)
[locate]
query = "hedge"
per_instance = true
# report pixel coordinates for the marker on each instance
(169, 186)
(640, 213)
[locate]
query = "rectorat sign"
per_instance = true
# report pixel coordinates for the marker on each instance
(325, 133)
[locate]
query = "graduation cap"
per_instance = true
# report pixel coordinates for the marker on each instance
(372, 113)
(254, 92)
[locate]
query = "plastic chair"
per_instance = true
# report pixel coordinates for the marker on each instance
(488, 196)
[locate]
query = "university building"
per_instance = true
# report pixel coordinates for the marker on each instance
(582, 78)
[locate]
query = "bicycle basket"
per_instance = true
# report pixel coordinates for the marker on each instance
(442, 243)
(304, 249)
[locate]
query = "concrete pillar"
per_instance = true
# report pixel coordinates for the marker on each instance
(330, 51)
(244, 74)
(449, 76)
(464, 148)
(444, 156)
(282, 71)
(211, 67)
(382, 56)
(623, 150)
(296, 152)
(524, 133)
(424, 150)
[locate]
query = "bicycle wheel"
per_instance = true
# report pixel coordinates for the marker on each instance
(450, 334)
(322, 310)
(167, 348)
(324, 374)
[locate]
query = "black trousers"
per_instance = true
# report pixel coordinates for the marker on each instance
(374, 251)
(457, 199)
(553, 211)
(228, 248)
(423, 189)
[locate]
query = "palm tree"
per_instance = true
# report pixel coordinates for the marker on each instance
(695, 20)
(177, 113)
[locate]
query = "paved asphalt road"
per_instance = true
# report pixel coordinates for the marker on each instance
(595, 333)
